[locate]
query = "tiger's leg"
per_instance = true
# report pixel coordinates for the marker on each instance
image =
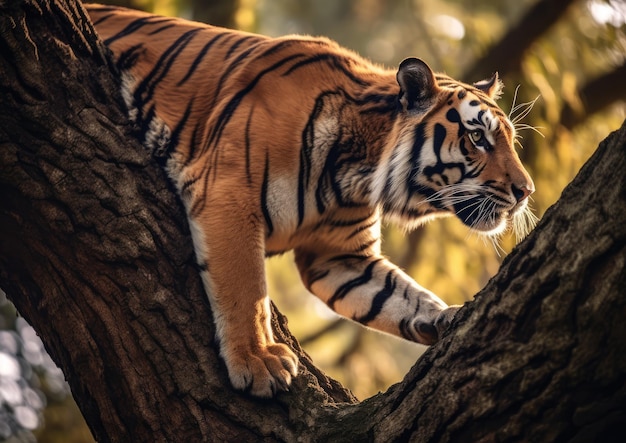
(373, 291)
(229, 247)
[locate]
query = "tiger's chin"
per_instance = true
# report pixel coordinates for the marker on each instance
(493, 225)
(490, 223)
(521, 222)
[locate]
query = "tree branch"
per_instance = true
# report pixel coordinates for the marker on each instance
(506, 55)
(596, 95)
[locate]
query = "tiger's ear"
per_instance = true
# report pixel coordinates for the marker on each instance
(492, 87)
(417, 84)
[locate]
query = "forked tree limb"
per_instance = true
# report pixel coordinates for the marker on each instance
(96, 254)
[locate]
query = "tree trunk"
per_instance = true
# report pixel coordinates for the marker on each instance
(95, 252)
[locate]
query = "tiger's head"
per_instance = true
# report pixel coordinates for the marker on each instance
(453, 153)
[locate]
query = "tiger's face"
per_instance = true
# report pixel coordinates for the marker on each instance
(455, 155)
(468, 165)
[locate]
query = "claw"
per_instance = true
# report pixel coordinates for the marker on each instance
(264, 372)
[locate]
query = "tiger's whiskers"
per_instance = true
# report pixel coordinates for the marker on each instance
(519, 112)
(523, 222)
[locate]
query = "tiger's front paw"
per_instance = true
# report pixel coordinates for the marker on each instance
(264, 371)
(444, 319)
(430, 330)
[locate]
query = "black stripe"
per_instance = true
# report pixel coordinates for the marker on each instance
(248, 147)
(264, 189)
(475, 172)
(161, 29)
(439, 167)
(366, 245)
(163, 66)
(344, 223)
(348, 286)
(344, 257)
(379, 300)
(406, 323)
(129, 57)
(342, 152)
(335, 61)
(106, 8)
(275, 47)
(306, 152)
(308, 61)
(281, 44)
(439, 137)
(196, 62)
(361, 229)
(386, 104)
(453, 116)
(404, 329)
(314, 276)
(135, 25)
(180, 126)
(320, 192)
(327, 175)
(101, 19)
(240, 58)
(419, 138)
(348, 73)
(499, 198)
(188, 184)
(303, 176)
(193, 145)
(200, 203)
(227, 72)
(144, 121)
(232, 105)
(236, 45)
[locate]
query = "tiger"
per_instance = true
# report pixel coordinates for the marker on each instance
(298, 144)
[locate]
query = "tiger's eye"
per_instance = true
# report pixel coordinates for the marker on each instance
(476, 136)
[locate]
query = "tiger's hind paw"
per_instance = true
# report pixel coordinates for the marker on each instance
(262, 372)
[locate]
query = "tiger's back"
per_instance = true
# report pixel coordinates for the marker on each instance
(204, 84)
(297, 143)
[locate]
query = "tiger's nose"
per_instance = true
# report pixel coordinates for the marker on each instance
(522, 192)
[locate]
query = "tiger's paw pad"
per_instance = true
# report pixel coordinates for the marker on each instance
(264, 372)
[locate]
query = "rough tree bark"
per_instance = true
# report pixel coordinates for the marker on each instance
(95, 253)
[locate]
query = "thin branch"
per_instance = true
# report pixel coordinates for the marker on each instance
(506, 55)
(596, 95)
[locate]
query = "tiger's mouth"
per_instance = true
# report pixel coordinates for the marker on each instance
(480, 213)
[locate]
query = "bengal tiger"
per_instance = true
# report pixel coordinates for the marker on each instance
(296, 143)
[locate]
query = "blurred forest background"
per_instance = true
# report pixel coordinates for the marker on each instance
(570, 54)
